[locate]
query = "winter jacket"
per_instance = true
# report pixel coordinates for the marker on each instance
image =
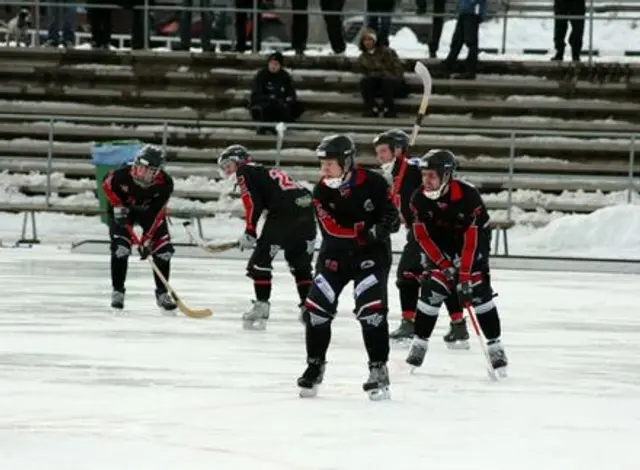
(472, 7)
(383, 62)
(269, 86)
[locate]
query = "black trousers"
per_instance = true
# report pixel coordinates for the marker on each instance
(299, 25)
(388, 89)
(276, 111)
(381, 24)
(244, 33)
(465, 33)
(560, 26)
(296, 237)
(161, 249)
(100, 21)
(369, 272)
(334, 24)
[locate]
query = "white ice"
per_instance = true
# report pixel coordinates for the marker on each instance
(83, 389)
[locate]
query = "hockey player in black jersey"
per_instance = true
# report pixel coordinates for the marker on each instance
(451, 225)
(356, 217)
(289, 226)
(138, 194)
(392, 152)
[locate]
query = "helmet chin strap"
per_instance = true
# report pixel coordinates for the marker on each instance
(387, 168)
(442, 189)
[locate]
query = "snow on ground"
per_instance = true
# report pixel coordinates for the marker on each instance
(609, 232)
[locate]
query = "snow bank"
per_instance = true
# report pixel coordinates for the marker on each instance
(611, 232)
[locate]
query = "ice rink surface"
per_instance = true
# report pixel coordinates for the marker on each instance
(82, 388)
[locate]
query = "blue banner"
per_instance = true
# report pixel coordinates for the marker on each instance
(114, 153)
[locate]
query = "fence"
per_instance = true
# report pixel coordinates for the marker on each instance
(510, 133)
(504, 15)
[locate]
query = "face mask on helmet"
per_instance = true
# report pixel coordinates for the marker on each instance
(143, 174)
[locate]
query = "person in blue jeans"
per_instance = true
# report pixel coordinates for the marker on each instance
(63, 12)
(206, 14)
(470, 14)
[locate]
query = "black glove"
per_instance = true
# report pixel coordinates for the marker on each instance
(144, 249)
(377, 233)
(465, 290)
(121, 216)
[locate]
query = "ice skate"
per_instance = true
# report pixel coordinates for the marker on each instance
(117, 299)
(417, 353)
(311, 378)
(498, 359)
(166, 303)
(403, 333)
(302, 309)
(458, 335)
(377, 385)
(256, 318)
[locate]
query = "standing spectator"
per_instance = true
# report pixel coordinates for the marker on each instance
(63, 12)
(334, 24)
(299, 26)
(137, 22)
(560, 26)
(436, 26)
(242, 20)
(470, 14)
(273, 95)
(383, 76)
(381, 24)
(100, 20)
(206, 16)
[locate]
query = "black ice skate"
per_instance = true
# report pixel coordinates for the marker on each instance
(404, 332)
(256, 318)
(117, 299)
(498, 359)
(377, 385)
(311, 378)
(166, 303)
(417, 353)
(458, 335)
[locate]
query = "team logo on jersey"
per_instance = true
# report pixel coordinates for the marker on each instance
(368, 206)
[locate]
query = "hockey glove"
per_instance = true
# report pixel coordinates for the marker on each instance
(144, 249)
(377, 233)
(247, 241)
(465, 290)
(121, 216)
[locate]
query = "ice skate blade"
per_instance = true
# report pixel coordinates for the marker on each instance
(308, 392)
(379, 394)
(168, 313)
(458, 345)
(254, 325)
(401, 342)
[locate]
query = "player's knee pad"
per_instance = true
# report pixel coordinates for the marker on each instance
(322, 296)
(371, 317)
(163, 250)
(408, 278)
(433, 293)
(316, 318)
(482, 300)
(120, 247)
(259, 273)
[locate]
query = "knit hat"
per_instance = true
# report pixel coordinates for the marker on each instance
(278, 57)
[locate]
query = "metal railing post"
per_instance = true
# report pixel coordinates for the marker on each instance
(49, 163)
(590, 32)
(632, 155)
(146, 24)
(254, 31)
(165, 131)
(512, 158)
(504, 29)
(36, 34)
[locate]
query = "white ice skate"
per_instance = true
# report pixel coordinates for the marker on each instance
(498, 359)
(256, 318)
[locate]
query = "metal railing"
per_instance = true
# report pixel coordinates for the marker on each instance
(510, 133)
(255, 11)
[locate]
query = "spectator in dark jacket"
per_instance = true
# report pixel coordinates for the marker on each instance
(568, 8)
(383, 76)
(470, 14)
(273, 96)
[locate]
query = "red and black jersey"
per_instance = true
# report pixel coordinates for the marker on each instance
(346, 214)
(270, 189)
(455, 225)
(407, 178)
(121, 190)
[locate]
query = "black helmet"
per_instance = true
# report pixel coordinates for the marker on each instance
(147, 163)
(394, 138)
(443, 162)
(234, 153)
(340, 147)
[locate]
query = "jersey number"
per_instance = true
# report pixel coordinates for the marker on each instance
(284, 181)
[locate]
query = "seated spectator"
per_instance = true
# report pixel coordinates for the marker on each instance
(273, 96)
(383, 76)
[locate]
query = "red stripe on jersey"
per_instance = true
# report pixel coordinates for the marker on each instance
(332, 227)
(247, 202)
(156, 224)
(427, 244)
(469, 245)
(111, 196)
(456, 191)
(397, 182)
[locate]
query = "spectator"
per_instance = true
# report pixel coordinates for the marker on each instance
(63, 12)
(568, 8)
(381, 24)
(470, 14)
(334, 24)
(436, 26)
(100, 20)
(137, 22)
(273, 96)
(206, 16)
(383, 76)
(242, 19)
(299, 26)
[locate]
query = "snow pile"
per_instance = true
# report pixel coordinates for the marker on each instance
(606, 233)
